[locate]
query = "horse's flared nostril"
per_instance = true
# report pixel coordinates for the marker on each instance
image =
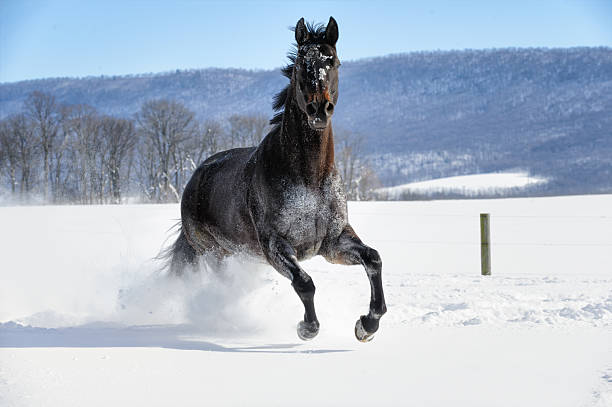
(311, 109)
(329, 109)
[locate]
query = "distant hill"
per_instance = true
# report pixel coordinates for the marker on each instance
(422, 115)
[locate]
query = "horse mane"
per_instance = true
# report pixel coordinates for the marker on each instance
(316, 35)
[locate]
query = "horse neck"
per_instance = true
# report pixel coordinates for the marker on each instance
(307, 155)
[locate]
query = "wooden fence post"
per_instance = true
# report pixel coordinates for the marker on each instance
(485, 245)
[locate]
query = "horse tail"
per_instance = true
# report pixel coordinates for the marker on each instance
(178, 255)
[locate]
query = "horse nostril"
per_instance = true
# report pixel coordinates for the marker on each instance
(311, 109)
(330, 108)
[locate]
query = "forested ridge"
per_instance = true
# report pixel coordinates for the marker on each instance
(409, 117)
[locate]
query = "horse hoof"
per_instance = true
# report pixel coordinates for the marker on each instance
(361, 334)
(307, 330)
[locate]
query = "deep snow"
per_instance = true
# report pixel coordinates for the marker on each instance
(87, 319)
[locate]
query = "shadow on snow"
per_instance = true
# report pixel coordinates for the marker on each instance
(183, 337)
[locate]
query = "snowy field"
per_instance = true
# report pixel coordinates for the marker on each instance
(466, 184)
(87, 321)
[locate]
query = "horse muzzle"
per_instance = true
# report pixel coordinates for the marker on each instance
(319, 114)
(317, 124)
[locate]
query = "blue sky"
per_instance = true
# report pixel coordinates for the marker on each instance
(41, 39)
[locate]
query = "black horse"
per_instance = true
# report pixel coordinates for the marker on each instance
(283, 200)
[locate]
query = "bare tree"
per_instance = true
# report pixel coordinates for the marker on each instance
(42, 109)
(119, 138)
(146, 170)
(367, 183)
(164, 126)
(8, 154)
(358, 177)
(204, 142)
(246, 130)
(59, 166)
(27, 153)
(86, 141)
(347, 152)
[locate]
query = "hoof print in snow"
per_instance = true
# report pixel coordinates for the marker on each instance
(473, 321)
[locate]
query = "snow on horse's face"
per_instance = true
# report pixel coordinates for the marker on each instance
(315, 74)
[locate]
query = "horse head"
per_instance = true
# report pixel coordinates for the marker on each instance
(315, 72)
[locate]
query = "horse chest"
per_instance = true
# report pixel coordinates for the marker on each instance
(307, 217)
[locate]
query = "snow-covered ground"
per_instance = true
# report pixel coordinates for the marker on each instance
(87, 320)
(466, 184)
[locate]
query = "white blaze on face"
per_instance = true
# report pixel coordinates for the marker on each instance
(322, 74)
(314, 57)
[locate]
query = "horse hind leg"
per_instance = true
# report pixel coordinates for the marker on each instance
(182, 255)
(202, 254)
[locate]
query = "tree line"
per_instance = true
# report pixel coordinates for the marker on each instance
(58, 153)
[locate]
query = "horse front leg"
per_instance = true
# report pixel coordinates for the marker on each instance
(348, 249)
(282, 257)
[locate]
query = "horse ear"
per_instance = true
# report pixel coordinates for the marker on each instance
(301, 33)
(331, 32)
